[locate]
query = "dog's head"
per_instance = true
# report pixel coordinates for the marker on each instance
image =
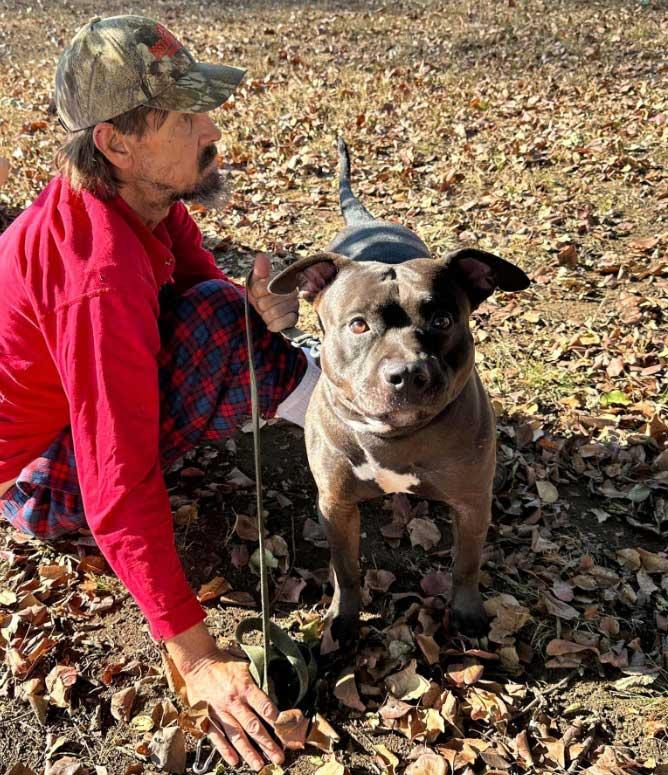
(397, 348)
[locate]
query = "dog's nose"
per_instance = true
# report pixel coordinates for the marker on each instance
(410, 376)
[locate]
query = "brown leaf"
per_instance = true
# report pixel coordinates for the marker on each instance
(212, 589)
(346, 692)
(556, 751)
(93, 563)
(568, 256)
(322, 735)
(644, 243)
(437, 583)
(387, 761)
(246, 528)
(237, 597)
(557, 608)
(523, 749)
(59, 684)
(4, 173)
(465, 676)
(558, 647)
(168, 750)
(290, 589)
(429, 648)
(18, 768)
(424, 533)
(122, 702)
(332, 767)
(407, 684)
(563, 590)
(174, 678)
(394, 708)
(290, 727)
(428, 764)
(653, 563)
(379, 580)
(66, 765)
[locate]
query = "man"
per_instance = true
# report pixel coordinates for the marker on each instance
(122, 345)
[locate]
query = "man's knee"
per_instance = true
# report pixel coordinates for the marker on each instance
(213, 300)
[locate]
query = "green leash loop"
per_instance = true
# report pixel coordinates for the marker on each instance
(276, 643)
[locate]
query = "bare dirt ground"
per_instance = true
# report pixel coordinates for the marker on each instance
(537, 130)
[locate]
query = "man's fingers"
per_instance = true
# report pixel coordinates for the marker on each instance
(283, 322)
(265, 303)
(256, 730)
(262, 705)
(220, 741)
(236, 735)
(261, 267)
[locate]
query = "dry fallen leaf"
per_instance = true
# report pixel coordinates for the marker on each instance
(331, 767)
(407, 684)
(345, 690)
(322, 735)
(66, 765)
(168, 750)
(290, 727)
(212, 589)
(428, 764)
(122, 702)
(424, 533)
(59, 684)
(4, 171)
(246, 527)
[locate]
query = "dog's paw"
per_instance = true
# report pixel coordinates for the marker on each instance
(341, 632)
(469, 617)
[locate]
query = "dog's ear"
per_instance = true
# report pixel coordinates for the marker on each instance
(311, 284)
(481, 273)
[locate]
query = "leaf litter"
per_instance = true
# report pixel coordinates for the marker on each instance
(548, 146)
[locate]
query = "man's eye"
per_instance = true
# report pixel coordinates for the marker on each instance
(358, 326)
(441, 321)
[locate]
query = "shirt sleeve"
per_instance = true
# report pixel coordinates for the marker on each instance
(194, 263)
(105, 347)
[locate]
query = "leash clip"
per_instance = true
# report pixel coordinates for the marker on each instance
(201, 767)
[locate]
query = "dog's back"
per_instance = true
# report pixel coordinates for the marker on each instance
(365, 238)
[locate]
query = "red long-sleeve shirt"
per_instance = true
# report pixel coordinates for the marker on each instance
(79, 282)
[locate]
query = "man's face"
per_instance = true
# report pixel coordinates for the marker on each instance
(177, 159)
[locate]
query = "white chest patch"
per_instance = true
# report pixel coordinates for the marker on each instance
(385, 478)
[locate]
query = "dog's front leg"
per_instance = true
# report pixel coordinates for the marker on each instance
(341, 523)
(472, 519)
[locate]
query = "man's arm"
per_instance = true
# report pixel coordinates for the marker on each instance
(105, 347)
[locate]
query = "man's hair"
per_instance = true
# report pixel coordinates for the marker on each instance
(88, 168)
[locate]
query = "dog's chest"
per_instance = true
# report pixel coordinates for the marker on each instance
(388, 479)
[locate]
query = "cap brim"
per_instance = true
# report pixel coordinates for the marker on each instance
(204, 87)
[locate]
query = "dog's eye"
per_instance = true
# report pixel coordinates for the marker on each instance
(441, 321)
(358, 326)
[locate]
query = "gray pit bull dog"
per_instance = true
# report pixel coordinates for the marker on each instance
(400, 407)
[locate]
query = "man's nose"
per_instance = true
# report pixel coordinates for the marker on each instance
(210, 132)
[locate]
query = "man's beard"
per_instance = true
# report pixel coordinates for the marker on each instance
(212, 191)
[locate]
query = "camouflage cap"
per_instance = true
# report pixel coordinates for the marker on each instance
(116, 64)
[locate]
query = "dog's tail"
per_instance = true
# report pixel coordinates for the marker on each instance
(352, 209)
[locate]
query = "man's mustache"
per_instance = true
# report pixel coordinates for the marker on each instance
(207, 156)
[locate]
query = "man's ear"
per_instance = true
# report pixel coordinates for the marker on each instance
(111, 144)
(481, 273)
(293, 277)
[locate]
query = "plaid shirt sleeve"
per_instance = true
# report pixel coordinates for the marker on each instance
(105, 346)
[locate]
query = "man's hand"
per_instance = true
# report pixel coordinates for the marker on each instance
(237, 706)
(281, 311)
